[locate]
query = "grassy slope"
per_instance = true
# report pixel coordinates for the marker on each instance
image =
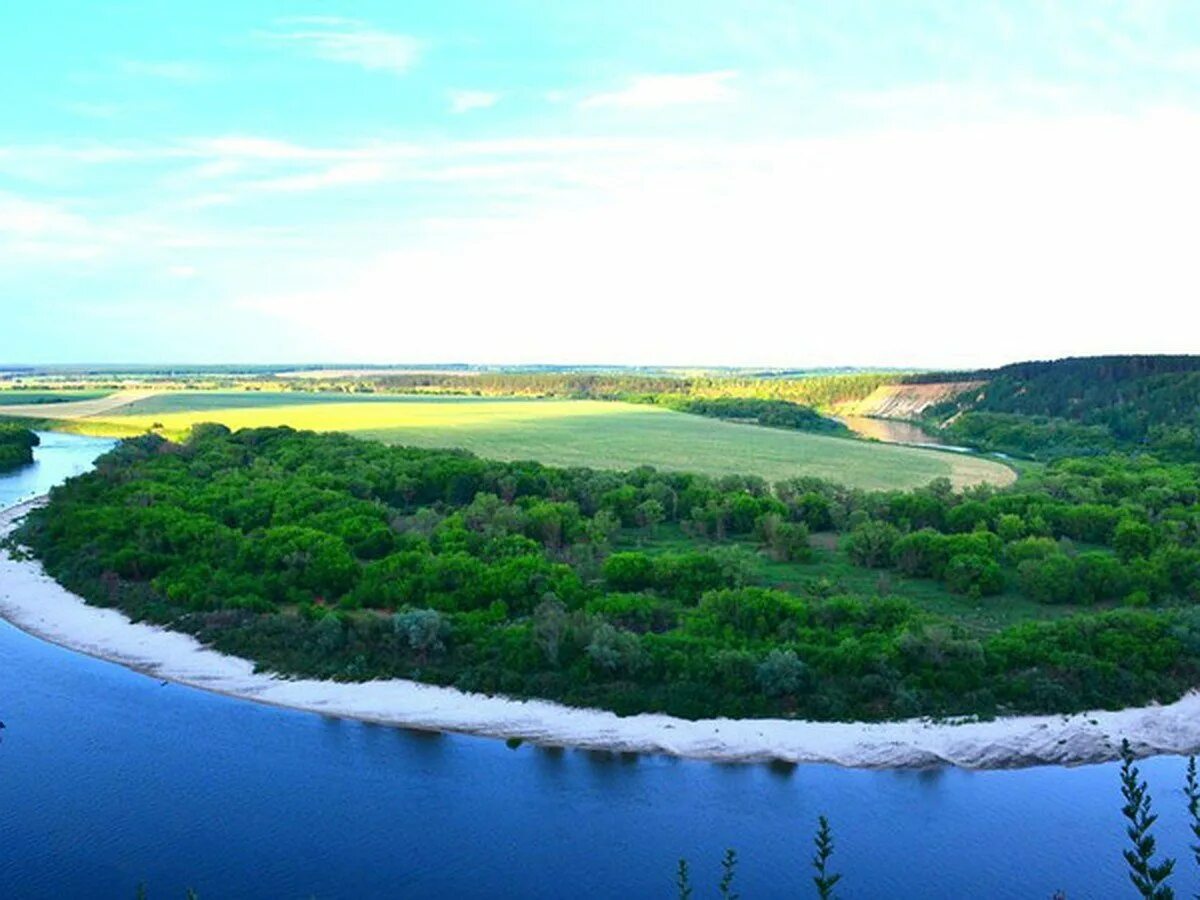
(564, 432)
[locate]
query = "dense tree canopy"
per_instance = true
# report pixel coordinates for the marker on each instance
(643, 590)
(16, 446)
(1082, 406)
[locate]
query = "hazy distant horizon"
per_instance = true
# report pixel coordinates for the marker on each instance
(132, 367)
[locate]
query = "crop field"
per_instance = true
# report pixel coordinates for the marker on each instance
(67, 406)
(558, 432)
(31, 395)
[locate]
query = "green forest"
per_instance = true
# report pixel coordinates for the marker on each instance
(759, 411)
(328, 556)
(1071, 407)
(16, 446)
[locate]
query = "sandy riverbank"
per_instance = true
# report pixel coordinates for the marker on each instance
(34, 602)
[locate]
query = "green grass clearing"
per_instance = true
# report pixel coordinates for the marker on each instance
(830, 573)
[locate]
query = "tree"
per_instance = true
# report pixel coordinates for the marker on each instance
(1148, 877)
(824, 879)
(870, 544)
(424, 630)
(1010, 527)
(305, 558)
(614, 650)
(782, 673)
(603, 527)
(1050, 580)
(16, 446)
(629, 571)
(550, 626)
(649, 513)
(786, 541)
(1133, 539)
(969, 573)
(331, 634)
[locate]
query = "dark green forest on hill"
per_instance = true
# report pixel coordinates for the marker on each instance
(1080, 406)
(16, 446)
(333, 557)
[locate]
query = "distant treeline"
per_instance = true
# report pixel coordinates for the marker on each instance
(16, 446)
(816, 390)
(771, 413)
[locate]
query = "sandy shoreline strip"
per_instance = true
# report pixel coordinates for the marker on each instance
(37, 604)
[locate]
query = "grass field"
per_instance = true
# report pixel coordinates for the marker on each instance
(23, 395)
(69, 406)
(558, 432)
(830, 572)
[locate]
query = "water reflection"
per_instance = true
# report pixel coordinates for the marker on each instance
(890, 431)
(57, 458)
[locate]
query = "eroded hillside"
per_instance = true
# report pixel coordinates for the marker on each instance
(905, 401)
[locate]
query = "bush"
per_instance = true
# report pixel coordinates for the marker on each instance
(782, 673)
(870, 544)
(969, 573)
(1048, 580)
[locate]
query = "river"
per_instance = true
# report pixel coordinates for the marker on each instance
(109, 778)
(893, 431)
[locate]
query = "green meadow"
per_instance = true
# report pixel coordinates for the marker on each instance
(590, 433)
(31, 395)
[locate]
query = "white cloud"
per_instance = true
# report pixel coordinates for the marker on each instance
(30, 218)
(338, 175)
(351, 41)
(183, 272)
(956, 246)
(253, 148)
(962, 246)
(218, 168)
(465, 101)
(205, 201)
(33, 230)
(168, 70)
(655, 91)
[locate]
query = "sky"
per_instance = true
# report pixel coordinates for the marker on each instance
(675, 182)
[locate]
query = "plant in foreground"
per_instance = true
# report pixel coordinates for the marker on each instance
(682, 881)
(728, 870)
(1148, 877)
(824, 879)
(1192, 790)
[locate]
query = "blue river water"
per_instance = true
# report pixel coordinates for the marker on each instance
(108, 779)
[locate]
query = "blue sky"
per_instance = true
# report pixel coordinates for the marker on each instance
(762, 183)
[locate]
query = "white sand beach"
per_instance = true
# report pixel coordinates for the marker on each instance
(35, 603)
